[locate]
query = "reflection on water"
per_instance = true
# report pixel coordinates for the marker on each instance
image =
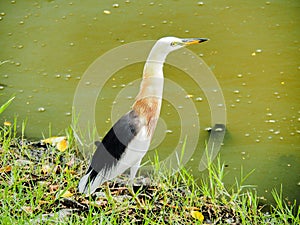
(253, 50)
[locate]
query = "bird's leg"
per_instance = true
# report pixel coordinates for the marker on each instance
(133, 171)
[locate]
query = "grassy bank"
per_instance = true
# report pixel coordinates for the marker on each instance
(38, 182)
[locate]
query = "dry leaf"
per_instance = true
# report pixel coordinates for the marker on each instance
(67, 170)
(197, 215)
(46, 169)
(53, 188)
(27, 209)
(5, 169)
(71, 162)
(43, 202)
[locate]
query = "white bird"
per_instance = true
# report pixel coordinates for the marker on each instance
(126, 143)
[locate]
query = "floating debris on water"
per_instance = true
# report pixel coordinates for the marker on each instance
(199, 99)
(41, 109)
(107, 12)
(189, 96)
(270, 121)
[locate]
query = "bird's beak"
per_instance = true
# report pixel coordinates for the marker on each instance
(192, 41)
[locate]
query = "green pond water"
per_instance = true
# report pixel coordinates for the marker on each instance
(254, 52)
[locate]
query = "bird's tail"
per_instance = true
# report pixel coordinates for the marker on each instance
(89, 182)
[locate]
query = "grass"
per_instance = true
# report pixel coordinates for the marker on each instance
(39, 186)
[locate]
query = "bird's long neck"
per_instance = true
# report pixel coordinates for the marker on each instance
(153, 77)
(149, 99)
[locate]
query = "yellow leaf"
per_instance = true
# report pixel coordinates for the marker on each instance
(197, 215)
(5, 169)
(65, 194)
(7, 123)
(53, 140)
(62, 145)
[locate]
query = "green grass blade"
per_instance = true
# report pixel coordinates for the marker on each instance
(6, 104)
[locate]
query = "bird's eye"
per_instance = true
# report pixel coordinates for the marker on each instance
(173, 43)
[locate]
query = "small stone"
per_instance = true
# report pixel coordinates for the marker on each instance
(116, 5)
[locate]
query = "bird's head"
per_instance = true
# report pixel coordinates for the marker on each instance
(174, 43)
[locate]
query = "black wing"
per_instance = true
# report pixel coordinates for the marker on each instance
(113, 145)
